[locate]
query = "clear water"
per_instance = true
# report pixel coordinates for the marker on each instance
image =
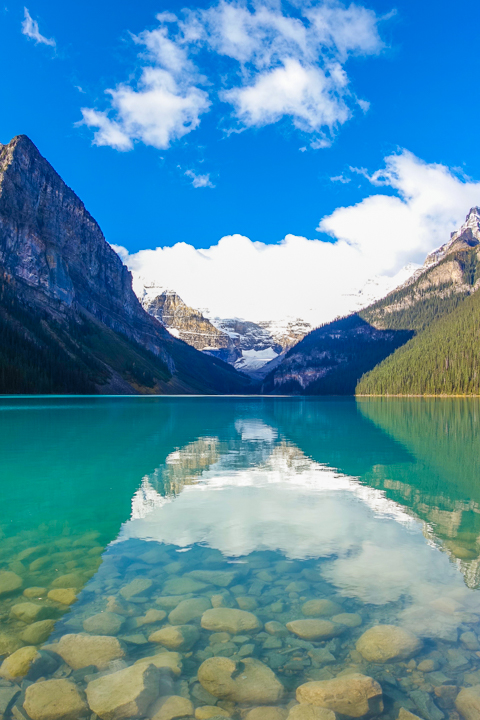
(371, 504)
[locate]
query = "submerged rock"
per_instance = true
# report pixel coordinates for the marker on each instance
(230, 620)
(183, 586)
(220, 578)
(18, 664)
(54, 700)
(425, 705)
(407, 715)
(64, 596)
(7, 696)
(79, 650)
(188, 610)
(9, 582)
(124, 694)
(353, 695)
(209, 712)
(105, 623)
(313, 629)
(310, 712)
(276, 628)
(29, 612)
(351, 620)
(267, 713)
(151, 616)
(139, 586)
(468, 702)
(168, 660)
(70, 580)
(176, 637)
(34, 593)
(168, 602)
(254, 682)
(38, 632)
(317, 608)
(245, 602)
(9, 643)
(170, 708)
(382, 643)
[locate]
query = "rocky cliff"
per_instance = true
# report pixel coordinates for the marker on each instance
(65, 295)
(333, 358)
(189, 324)
(250, 347)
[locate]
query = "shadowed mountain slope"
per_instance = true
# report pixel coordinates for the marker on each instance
(333, 358)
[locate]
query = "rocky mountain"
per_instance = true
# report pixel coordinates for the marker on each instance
(333, 358)
(69, 319)
(188, 324)
(254, 348)
(261, 345)
(248, 346)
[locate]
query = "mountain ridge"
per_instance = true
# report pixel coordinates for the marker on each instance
(66, 295)
(333, 358)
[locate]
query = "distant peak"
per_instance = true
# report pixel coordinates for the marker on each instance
(21, 145)
(22, 141)
(472, 223)
(473, 215)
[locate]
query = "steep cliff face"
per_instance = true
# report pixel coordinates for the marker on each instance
(189, 325)
(65, 294)
(333, 358)
(51, 244)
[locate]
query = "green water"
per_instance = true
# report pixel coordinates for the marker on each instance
(115, 511)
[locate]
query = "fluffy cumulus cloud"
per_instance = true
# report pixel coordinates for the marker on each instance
(31, 30)
(428, 203)
(265, 61)
(319, 280)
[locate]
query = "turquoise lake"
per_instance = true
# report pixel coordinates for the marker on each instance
(166, 557)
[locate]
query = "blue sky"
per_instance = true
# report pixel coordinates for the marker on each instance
(406, 80)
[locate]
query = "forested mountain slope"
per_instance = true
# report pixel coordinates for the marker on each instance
(69, 319)
(333, 358)
(444, 359)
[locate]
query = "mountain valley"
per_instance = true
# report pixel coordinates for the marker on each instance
(70, 321)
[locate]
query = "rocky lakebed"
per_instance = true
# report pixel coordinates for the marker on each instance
(148, 630)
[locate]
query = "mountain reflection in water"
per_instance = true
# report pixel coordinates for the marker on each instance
(373, 503)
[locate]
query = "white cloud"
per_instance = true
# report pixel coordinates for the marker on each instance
(199, 181)
(315, 279)
(428, 203)
(341, 179)
(307, 95)
(275, 64)
(30, 29)
(155, 112)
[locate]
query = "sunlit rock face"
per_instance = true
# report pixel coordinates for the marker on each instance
(249, 346)
(189, 324)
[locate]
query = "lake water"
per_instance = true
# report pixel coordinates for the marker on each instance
(203, 557)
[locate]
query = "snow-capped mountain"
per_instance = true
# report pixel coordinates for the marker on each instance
(254, 348)
(247, 345)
